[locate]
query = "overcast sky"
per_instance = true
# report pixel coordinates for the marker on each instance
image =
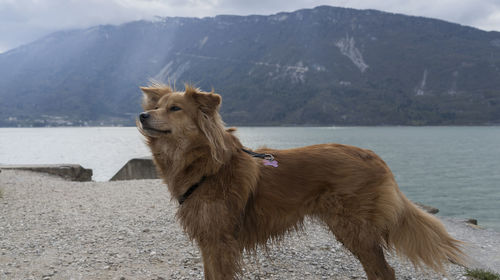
(22, 21)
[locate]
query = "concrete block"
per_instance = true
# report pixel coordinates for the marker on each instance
(73, 172)
(137, 168)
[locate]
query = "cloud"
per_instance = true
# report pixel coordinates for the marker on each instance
(477, 13)
(22, 21)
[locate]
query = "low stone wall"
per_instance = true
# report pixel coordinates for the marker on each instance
(73, 172)
(137, 168)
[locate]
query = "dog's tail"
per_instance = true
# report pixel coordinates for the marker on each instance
(423, 239)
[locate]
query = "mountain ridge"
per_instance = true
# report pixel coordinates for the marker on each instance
(321, 66)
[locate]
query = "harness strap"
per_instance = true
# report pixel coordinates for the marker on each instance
(191, 189)
(258, 155)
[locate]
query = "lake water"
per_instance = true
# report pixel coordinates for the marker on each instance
(456, 169)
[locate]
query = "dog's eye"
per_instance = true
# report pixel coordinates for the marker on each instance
(175, 108)
(156, 108)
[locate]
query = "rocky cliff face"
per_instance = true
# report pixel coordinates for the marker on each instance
(319, 66)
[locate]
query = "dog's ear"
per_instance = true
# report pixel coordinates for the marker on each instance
(210, 122)
(152, 95)
(208, 102)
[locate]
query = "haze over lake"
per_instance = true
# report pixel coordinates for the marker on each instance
(456, 169)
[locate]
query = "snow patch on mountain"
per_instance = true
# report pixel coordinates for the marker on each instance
(347, 47)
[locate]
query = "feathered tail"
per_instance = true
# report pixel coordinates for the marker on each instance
(424, 240)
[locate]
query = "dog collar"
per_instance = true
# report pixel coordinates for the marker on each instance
(268, 160)
(191, 189)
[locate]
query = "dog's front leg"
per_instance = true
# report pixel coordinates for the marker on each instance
(213, 225)
(221, 257)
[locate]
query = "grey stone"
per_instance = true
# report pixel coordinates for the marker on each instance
(471, 221)
(427, 208)
(72, 172)
(135, 169)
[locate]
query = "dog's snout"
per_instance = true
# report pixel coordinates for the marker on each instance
(143, 117)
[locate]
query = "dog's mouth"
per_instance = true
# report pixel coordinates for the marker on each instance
(150, 129)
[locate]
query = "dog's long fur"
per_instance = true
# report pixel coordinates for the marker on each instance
(242, 203)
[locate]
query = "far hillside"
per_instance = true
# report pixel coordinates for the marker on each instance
(321, 66)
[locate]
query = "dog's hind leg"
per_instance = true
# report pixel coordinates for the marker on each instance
(365, 246)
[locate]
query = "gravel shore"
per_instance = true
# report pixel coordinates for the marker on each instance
(55, 229)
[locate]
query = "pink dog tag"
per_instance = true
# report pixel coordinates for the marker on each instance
(272, 163)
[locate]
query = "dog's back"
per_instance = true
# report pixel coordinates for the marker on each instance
(354, 193)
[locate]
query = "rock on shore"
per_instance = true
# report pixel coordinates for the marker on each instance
(73, 172)
(57, 229)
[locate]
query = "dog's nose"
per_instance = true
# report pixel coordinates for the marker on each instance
(143, 117)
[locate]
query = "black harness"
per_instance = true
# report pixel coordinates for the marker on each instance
(257, 155)
(191, 189)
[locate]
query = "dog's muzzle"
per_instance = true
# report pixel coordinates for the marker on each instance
(143, 117)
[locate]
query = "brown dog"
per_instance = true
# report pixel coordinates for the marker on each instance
(231, 200)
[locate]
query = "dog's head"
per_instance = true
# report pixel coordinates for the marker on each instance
(186, 116)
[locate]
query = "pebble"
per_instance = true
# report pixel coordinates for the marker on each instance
(56, 229)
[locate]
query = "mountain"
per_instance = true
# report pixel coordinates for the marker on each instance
(318, 66)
